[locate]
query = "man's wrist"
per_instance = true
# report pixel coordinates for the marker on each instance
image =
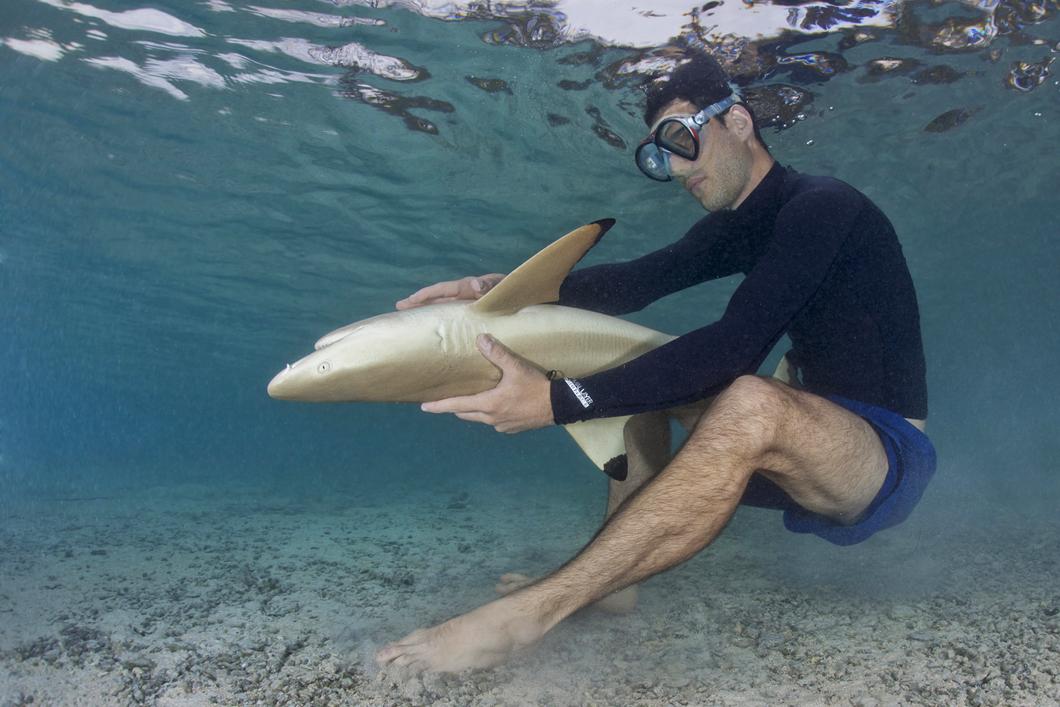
(548, 415)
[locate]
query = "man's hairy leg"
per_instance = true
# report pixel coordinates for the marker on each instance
(827, 458)
(647, 440)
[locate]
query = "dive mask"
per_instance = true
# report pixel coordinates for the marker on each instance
(678, 135)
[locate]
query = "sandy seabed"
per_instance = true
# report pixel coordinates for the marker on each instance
(194, 595)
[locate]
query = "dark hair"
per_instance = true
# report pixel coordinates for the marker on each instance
(698, 79)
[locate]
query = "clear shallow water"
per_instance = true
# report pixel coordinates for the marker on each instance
(190, 195)
(188, 203)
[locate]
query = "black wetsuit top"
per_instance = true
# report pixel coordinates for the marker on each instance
(822, 264)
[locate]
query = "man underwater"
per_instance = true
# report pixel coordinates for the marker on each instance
(835, 439)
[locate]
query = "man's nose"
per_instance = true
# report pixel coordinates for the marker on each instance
(679, 166)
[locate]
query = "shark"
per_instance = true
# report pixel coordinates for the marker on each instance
(429, 353)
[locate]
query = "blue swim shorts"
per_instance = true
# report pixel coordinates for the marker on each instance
(911, 464)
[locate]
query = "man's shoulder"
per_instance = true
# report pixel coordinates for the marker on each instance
(798, 185)
(809, 198)
(811, 203)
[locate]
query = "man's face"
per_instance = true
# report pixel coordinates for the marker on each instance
(718, 176)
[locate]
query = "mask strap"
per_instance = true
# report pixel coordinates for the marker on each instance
(714, 109)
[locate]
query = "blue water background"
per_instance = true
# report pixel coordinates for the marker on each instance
(161, 259)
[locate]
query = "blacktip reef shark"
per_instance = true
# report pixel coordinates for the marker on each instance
(429, 353)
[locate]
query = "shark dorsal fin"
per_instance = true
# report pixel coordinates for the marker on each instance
(537, 280)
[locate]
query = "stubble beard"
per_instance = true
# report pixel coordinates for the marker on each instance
(732, 172)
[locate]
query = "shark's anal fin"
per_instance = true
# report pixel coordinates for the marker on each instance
(537, 280)
(603, 442)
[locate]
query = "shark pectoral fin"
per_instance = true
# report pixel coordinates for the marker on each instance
(537, 280)
(603, 443)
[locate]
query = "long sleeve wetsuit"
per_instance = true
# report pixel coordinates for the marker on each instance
(822, 264)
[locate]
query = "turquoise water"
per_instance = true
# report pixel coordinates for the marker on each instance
(182, 214)
(162, 257)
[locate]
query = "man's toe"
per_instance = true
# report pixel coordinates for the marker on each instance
(389, 653)
(405, 660)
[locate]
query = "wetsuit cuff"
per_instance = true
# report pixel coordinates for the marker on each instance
(570, 402)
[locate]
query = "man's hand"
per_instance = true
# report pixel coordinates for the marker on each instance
(469, 288)
(520, 401)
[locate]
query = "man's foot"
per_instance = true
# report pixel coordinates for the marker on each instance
(481, 638)
(621, 602)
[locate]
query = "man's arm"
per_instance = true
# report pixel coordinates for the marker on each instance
(810, 230)
(620, 288)
(522, 399)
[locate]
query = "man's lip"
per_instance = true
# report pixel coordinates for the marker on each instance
(693, 182)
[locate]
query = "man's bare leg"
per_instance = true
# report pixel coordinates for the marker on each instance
(826, 458)
(647, 440)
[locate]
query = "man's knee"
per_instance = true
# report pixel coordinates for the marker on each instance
(749, 410)
(757, 396)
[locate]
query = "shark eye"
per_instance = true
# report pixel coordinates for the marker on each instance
(324, 367)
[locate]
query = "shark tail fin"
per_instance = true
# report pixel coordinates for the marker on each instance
(537, 280)
(603, 442)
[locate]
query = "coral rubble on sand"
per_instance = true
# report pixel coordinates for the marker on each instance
(191, 597)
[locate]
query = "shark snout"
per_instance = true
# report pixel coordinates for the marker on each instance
(312, 378)
(297, 380)
(278, 386)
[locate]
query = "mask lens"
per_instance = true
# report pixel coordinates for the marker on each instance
(675, 136)
(653, 161)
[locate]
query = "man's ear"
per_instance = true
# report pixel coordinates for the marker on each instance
(740, 122)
